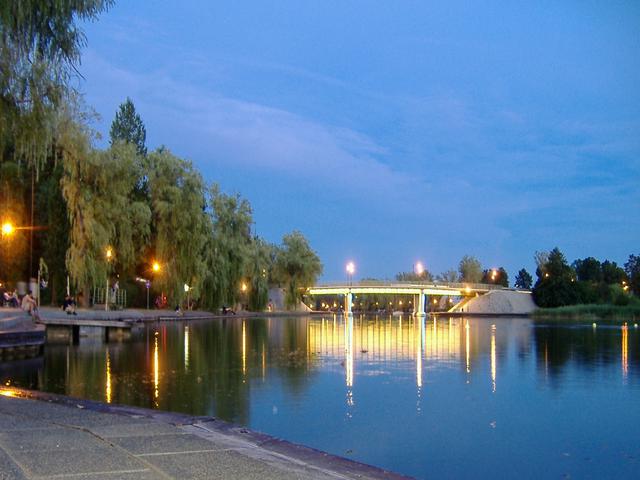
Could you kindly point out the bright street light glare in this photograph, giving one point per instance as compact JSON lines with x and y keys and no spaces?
{"x":419,"y":268}
{"x":156,"y":267}
{"x":351,"y":268}
{"x":7,"y":229}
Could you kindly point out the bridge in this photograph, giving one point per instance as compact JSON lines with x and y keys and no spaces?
{"x":420,"y":291}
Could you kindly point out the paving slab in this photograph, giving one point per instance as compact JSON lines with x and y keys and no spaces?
{"x":228,"y":465}
{"x":176,"y":442}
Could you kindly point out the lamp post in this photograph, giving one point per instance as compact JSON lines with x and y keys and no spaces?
{"x":109,"y":257}
{"x":155,"y":268}
{"x":351,"y":268}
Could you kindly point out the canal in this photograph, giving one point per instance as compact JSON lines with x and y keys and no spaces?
{"x":446,"y":398}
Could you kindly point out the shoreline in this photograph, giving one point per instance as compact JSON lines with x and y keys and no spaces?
{"x":253,"y":449}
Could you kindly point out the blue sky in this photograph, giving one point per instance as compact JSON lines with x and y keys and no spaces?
{"x":392,"y":132}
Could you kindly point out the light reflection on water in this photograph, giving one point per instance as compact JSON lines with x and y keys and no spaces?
{"x":451,"y":397}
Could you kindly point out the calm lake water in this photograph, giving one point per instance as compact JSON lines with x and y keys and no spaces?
{"x":448,"y":398}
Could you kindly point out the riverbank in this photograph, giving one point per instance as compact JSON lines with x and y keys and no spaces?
{"x":45,"y":435}
{"x":592,"y":312}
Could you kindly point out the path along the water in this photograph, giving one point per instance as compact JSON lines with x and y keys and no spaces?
{"x":51,"y":436}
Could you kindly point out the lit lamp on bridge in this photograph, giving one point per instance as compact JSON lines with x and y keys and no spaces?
{"x":419,"y":269}
{"x":109,"y":256}
{"x":351,"y":269}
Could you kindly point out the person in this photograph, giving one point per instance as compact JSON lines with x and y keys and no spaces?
{"x":178,"y":310}
{"x":29,"y":304}
{"x":12,"y":299}
{"x":69,"y":305}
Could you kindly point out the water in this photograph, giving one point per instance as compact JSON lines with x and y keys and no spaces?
{"x":452,"y":398}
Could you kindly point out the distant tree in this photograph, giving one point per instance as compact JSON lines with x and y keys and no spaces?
{"x":259,"y":264}
{"x":425,"y":276}
{"x":612,"y":273}
{"x":128,"y":127}
{"x":228,"y":250}
{"x":448,"y":276}
{"x":496,"y":276}
{"x":523,"y":279}
{"x":297,"y":266}
{"x":632,"y":269}
{"x":470,"y":269}
{"x":556,"y":284}
{"x":588,"y":270}
{"x":541,"y":258}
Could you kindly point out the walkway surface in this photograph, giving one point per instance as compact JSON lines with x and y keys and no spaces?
{"x":51,"y":436}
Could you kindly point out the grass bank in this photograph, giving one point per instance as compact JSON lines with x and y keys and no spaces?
{"x":590,"y":312}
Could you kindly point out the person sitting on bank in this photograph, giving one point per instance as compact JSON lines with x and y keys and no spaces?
{"x":69,"y":305}
{"x":11,"y":299}
{"x":29,"y":304}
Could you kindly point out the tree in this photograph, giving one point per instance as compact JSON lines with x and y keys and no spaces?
{"x":425,"y":276}
{"x":449,"y":276}
{"x":128,"y":127}
{"x":228,"y":249}
{"x":612,"y":273}
{"x":632,"y":269}
{"x":588,"y":270}
{"x":556,"y":284}
{"x":495,"y":276}
{"x":523,"y":279}
{"x":259,"y":264}
{"x":98,"y":187}
{"x":470,"y":269}
{"x":179,"y":222}
{"x":296,"y":266}
{"x":541,"y":258}
{"x":40,"y":46}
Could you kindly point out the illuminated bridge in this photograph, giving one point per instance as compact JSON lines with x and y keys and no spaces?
{"x":420,"y":291}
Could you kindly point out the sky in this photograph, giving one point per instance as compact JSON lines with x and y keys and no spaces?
{"x":394,"y":132}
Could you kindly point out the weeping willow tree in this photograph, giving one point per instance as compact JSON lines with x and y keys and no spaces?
{"x":296,"y":266}
{"x":227,"y":249}
{"x":259,"y":263}
{"x":180,"y":224}
{"x":98,"y":188}
{"x":40,"y":46}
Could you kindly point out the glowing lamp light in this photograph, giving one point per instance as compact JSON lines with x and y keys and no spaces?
{"x":7,"y":229}
{"x":351,"y":268}
{"x":109,"y":253}
{"x":155,"y":267}
{"x":419,"y":268}
{"x":243,"y":287}
{"x":186,"y":287}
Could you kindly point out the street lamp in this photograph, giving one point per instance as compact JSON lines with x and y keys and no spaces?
{"x":109,"y":256}
{"x":419,"y":268}
{"x":351,"y":268}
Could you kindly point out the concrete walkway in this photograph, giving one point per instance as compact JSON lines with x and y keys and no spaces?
{"x":51,"y":436}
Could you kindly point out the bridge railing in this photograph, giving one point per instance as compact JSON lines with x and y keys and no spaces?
{"x":390,"y":283}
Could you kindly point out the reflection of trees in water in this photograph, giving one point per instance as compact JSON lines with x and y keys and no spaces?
{"x":587,"y":348}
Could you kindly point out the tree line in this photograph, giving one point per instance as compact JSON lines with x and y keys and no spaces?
{"x":72,"y":201}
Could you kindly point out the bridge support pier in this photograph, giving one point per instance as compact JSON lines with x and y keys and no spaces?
{"x":422,"y":300}
{"x":348,"y":303}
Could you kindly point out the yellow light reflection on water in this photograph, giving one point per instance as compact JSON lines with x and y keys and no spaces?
{"x":493,"y":358}
{"x":467,"y":342}
{"x":348,"y":361}
{"x":244,"y":349}
{"x":419,"y":358}
{"x":156,"y":367}
{"x":625,"y":351}
{"x":186,"y":348}
{"x":108,"y":386}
